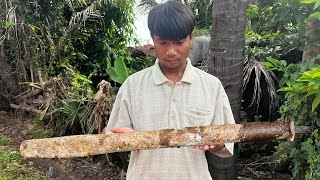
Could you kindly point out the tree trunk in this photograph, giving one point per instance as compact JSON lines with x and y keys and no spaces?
{"x":310,"y":51}
{"x":226,"y":60}
{"x":312,"y":48}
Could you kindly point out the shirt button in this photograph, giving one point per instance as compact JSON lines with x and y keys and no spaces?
{"x":174,"y":100}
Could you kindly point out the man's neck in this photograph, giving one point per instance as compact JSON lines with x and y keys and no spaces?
{"x":174,"y":75}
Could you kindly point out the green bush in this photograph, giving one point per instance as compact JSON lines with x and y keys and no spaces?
{"x":300,"y":89}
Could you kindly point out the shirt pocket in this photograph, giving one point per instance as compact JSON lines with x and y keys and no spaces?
{"x":196,"y":116}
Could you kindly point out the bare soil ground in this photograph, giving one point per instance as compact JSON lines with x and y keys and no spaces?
{"x":97,"y":167}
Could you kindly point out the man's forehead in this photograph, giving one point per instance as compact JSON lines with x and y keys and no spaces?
{"x":168,"y":39}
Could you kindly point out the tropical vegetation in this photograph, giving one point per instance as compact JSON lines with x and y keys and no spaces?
{"x":53,"y":55}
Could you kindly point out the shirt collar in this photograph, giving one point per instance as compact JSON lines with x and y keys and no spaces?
{"x":159,"y":78}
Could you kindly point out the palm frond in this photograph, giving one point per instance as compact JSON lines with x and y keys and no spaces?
{"x":75,"y":3}
{"x":76,"y":22}
{"x":259,"y":69}
{"x":81,"y":17}
{"x":146,"y":5}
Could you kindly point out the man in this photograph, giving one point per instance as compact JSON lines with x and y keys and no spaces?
{"x":171,"y":94}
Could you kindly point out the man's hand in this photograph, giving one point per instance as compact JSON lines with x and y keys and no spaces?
{"x":121,"y":130}
{"x":213,"y":148}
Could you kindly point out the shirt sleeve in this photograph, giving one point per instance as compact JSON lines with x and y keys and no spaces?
{"x":223,"y":115}
{"x":120,"y":114}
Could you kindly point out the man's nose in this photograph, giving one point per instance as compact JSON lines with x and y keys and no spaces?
{"x":172,"y":50}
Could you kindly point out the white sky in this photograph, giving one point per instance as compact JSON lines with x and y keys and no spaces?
{"x":141,"y":24}
{"x":142,"y":31}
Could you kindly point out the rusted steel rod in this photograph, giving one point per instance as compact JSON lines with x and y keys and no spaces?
{"x":84,"y":145}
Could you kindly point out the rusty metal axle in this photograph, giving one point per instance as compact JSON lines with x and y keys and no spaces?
{"x":84,"y":145}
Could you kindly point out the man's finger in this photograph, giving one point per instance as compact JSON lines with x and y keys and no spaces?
{"x":205,"y":148}
{"x":121,"y":130}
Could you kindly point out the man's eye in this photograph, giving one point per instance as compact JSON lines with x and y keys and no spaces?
{"x":181,"y":41}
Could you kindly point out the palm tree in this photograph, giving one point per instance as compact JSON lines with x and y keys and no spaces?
{"x":312,"y":48}
{"x":226,"y":61}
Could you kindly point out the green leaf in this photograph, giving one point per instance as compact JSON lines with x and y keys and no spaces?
{"x":8,"y":24}
{"x":294,"y":77}
{"x":316,"y":5}
{"x":315,"y":102}
{"x":275,"y":62}
{"x":312,"y":91}
{"x":305,"y":77}
{"x":285,"y":89}
{"x":288,"y":82}
{"x":316,"y":85}
{"x":111,"y":72}
{"x":267,"y":64}
{"x":121,"y":70}
{"x":283,"y":62}
{"x":113,"y":75}
{"x":282,"y":81}
{"x":307,"y":1}
{"x":316,"y":75}
{"x":297,"y":85}
{"x":280,"y":65}
{"x":315,"y":15}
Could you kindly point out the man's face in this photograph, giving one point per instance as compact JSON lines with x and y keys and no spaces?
{"x":172,"y":54}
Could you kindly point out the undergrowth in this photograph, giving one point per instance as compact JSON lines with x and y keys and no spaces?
{"x":12,"y":166}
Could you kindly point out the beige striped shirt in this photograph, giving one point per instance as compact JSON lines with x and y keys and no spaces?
{"x":147,"y":100}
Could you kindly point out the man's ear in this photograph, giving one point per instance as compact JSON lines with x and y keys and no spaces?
{"x":191,"y":35}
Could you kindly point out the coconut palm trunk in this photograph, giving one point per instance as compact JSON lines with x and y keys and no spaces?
{"x":226,"y":61}
{"x":312,"y":48}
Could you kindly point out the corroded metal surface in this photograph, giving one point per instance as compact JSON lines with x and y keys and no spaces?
{"x":84,"y":145}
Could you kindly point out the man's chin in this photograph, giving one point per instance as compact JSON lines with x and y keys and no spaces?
{"x":171,"y":65}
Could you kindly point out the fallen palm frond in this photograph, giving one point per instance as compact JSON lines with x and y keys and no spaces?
{"x":25,"y":108}
{"x":258,"y":70}
{"x":104,"y":102}
{"x":36,"y":100}
{"x":67,"y":112}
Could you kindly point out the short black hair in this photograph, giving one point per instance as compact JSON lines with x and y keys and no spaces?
{"x":171,"y":20}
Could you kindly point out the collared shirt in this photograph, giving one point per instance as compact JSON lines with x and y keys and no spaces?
{"x":147,"y":100}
